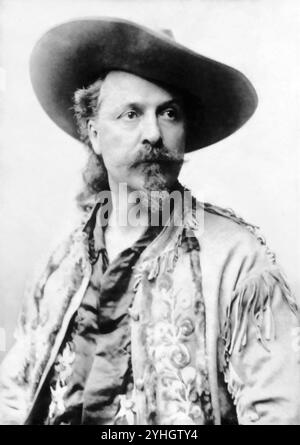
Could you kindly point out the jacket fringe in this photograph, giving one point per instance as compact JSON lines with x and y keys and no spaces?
{"x":251,"y":305}
{"x":166,"y":261}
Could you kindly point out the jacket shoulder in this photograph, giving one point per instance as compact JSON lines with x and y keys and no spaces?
{"x":223,"y":230}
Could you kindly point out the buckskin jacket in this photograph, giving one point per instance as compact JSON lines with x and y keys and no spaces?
{"x":210,"y":318}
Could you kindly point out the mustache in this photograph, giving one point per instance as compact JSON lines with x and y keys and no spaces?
{"x":161,"y":154}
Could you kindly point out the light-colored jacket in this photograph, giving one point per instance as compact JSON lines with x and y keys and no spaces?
{"x":251,"y":323}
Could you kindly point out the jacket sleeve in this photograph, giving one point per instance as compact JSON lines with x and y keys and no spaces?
{"x":16,"y":391}
{"x":14,"y":397}
{"x":262,"y":357}
{"x":15,"y":369}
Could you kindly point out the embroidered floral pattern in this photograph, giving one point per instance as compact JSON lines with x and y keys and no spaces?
{"x":63,"y":369}
{"x":179,"y":386}
{"x":126,"y":414}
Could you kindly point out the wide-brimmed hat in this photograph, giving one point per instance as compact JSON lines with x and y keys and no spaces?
{"x":73,"y":55}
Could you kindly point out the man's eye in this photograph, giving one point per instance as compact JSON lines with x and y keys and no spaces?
{"x":170,"y":113}
{"x":130,"y":115}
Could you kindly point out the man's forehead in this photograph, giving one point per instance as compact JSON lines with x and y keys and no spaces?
{"x":123,"y":86}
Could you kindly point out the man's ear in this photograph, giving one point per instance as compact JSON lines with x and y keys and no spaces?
{"x":94,"y":136}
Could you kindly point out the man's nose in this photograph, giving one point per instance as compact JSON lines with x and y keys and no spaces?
{"x":151,"y":132}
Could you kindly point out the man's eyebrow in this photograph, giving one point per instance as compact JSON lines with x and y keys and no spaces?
{"x":174,"y":101}
{"x":126,"y":105}
{"x":136,"y":104}
{"x":131,"y":105}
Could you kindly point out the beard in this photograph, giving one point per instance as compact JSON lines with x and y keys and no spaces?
{"x":160,"y":169}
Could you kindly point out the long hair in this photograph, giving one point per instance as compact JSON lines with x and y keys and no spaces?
{"x":95,"y":176}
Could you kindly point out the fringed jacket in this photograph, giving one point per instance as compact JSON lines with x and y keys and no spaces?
{"x":210,"y":317}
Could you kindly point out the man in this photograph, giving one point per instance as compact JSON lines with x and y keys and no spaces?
{"x":184,"y":321}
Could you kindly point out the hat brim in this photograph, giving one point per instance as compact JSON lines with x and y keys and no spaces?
{"x":75,"y":54}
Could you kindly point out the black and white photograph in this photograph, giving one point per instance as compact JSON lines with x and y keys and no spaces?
{"x":149,"y":198}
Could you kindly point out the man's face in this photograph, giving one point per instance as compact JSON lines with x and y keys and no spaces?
{"x":139,"y":131}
